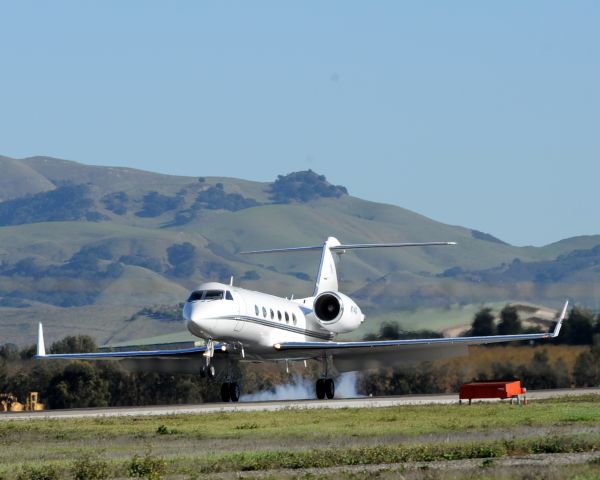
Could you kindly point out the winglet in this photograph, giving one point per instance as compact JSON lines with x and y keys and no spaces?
{"x":560,"y":320}
{"x":41,"y":348}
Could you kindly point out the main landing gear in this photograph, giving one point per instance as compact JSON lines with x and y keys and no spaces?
{"x":325,"y":388}
{"x":230,"y":391}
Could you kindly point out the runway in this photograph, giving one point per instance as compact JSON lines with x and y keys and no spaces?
{"x":363,"y":402}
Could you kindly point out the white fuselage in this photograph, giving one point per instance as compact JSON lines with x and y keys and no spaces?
{"x":256,"y":320}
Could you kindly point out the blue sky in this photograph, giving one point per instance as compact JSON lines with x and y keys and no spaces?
{"x":478,"y":114}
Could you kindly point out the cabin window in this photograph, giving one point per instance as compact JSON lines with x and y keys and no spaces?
{"x":272,"y":314}
{"x":287,"y":318}
{"x":256,"y":310}
{"x":294,"y":318}
{"x":279,"y":315}
{"x":264,"y":312}
{"x":228,"y":295}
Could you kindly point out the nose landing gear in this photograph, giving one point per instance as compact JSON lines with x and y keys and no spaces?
{"x":230,"y":390}
{"x":208,"y":372}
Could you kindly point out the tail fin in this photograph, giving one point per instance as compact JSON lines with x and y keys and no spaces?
{"x":327,"y":275}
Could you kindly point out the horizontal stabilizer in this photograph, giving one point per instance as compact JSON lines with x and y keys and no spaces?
{"x":327,"y":274}
{"x":352,"y":246}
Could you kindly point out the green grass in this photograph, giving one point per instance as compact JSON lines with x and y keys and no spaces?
{"x":295,"y":423}
{"x":243,"y":441}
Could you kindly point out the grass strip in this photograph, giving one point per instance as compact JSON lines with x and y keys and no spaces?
{"x":325,"y":458}
{"x":388,"y":454}
{"x":312,"y":425}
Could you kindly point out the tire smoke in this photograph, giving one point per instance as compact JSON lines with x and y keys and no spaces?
{"x":304,"y":389}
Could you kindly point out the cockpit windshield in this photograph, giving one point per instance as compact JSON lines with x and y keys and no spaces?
{"x":213,"y":295}
{"x":207,"y":295}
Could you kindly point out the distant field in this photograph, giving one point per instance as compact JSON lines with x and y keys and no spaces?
{"x":438,"y":319}
{"x":188,"y":446}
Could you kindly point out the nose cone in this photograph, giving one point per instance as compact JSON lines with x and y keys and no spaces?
{"x":203,"y":317}
{"x":187,"y":311}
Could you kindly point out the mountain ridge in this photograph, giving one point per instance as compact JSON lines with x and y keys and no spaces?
{"x":119,"y":234}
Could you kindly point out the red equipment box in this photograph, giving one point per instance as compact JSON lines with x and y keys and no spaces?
{"x":504,"y":389}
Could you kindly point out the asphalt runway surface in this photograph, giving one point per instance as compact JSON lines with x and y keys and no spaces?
{"x":362,"y":402}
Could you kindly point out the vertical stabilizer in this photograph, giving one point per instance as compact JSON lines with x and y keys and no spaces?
{"x":41,"y":348}
{"x":327,"y":276}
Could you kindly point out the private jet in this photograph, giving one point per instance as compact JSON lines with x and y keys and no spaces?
{"x":240,"y":325}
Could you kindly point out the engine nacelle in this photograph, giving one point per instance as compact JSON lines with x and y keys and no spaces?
{"x":337,"y":313}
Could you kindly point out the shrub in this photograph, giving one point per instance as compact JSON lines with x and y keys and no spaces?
{"x":44,"y":472}
{"x":89,"y":468}
{"x":148,"y":466}
{"x":162,"y":430}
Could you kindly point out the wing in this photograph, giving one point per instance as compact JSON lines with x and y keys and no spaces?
{"x":350,"y":356}
{"x":186,"y":360}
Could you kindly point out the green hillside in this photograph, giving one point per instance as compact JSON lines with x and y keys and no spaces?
{"x":84,"y":248}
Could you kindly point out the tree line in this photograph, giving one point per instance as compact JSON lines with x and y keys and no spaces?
{"x":95,"y":384}
{"x":579,"y":328}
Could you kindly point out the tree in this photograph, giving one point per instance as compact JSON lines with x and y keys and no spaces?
{"x":74,"y":344}
{"x":586,"y":371}
{"x":9,"y":351}
{"x":578,"y":329}
{"x":483,"y":324}
{"x":156,"y":204}
{"x":180,"y":253}
{"x":79,"y":385}
{"x":540,"y":374}
{"x":394,"y":331}
{"x":510,"y":324}
{"x":303,"y":187}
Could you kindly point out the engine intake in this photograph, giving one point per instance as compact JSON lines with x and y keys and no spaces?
{"x":337,"y":313}
{"x":327,"y":307}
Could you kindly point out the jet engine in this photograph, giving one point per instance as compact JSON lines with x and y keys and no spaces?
{"x":337,"y":313}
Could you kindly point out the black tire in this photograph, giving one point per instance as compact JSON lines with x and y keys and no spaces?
{"x":234,"y":391}
{"x":225,"y":395}
{"x":320,"y":389}
{"x":329,"y":388}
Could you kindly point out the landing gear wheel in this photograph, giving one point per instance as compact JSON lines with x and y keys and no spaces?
{"x":234,"y":391}
{"x":320,"y":388}
{"x":210,"y":372}
{"x":225,"y":392}
{"x":329,"y":388}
